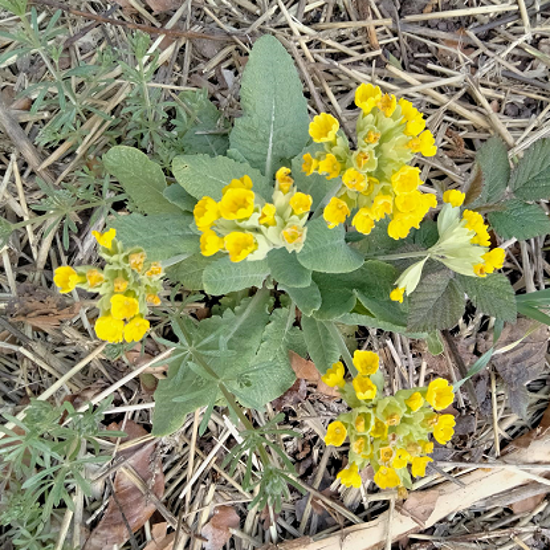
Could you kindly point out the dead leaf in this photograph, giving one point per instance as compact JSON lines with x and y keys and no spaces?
{"x":294,"y":395}
{"x":420,"y":505}
{"x":217,"y":529}
{"x":527,"y":504}
{"x":160,"y":6}
{"x":306,"y":370}
{"x":522,"y":363}
{"x":135,"y":506}
{"x":161,"y":541}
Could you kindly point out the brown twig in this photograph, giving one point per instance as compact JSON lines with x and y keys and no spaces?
{"x":137,"y":26}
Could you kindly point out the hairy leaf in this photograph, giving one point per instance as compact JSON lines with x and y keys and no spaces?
{"x":492,"y":160}
{"x":322,"y":348}
{"x":178,"y":196}
{"x":492,"y":295}
{"x":520,"y":220}
{"x":189,"y":272}
{"x":326,"y":250}
{"x":286,"y":269}
{"x":274,"y":125}
{"x":531,"y":178}
{"x":223,"y":275}
{"x":141,"y":178}
{"x":307,"y":299}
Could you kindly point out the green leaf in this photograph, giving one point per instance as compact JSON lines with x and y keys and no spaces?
{"x":436,"y":304}
{"x":5,"y":232}
{"x":270,"y":374}
{"x":178,"y":196}
{"x":362,"y":320}
{"x":322,"y":348}
{"x":493,"y":295}
{"x":228,"y":344}
{"x":189,"y":272}
{"x":223,"y":275}
{"x":492,"y":160}
{"x":141,"y":178}
{"x":435,"y":343}
{"x":287,"y":270}
{"x":531,"y":178}
{"x":274,"y":125}
{"x":162,"y":236}
{"x":307,"y":299}
{"x":326,"y":250}
{"x":201,"y":175}
{"x":520,"y":220}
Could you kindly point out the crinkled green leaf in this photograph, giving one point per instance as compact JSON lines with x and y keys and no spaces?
{"x":492,"y":160}
{"x":201,"y":175}
{"x":162,"y":236}
{"x":287,"y":270}
{"x":274,"y":124}
{"x":326,"y":250}
{"x":189,"y":272}
{"x":322,"y":348}
{"x":531,"y":178}
{"x":520,"y":220}
{"x":223,"y":275}
{"x":493,"y":295}
{"x":142,"y":179}
{"x":437,"y":303}
{"x":307,"y":299}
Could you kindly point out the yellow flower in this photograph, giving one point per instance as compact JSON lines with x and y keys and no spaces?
{"x":330,"y":166}
{"x":382,"y":205}
{"x":135,"y":330}
{"x":397,"y":294}
{"x":362,"y":221}
{"x":120,"y":284}
{"x":335,"y":375}
{"x":366,"y":362}
{"x":386,"y":478}
{"x":267,"y":217}
{"x":293,"y":234}
{"x":123,"y":307}
{"x":153,"y":299}
{"x":354,"y":180}
{"x":393,"y":419}
{"x":323,"y":128}
{"x":310,"y":164}
{"x":66,"y":279}
{"x":237,"y":204}
{"x":136,"y":261}
{"x":419,"y":464}
{"x":427,"y":447}
{"x":349,"y":477}
{"x":409,"y":202}
{"x":415,"y":401}
{"x":379,"y":430}
{"x":300,"y":203}
{"x":336,"y":434}
{"x":336,"y":212}
{"x":110,"y":329}
{"x":494,"y":259}
{"x":243,"y":183}
{"x":400,"y":226}
{"x":206,"y":212}
{"x":454,"y":197}
{"x":94,"y":277}
{"x":154,"y":269}
{"x":474,"y":220}
{"x":210,"y":242}
{"x":358,"y":446}
{"x":366,"y":97}
{"x":414,"y":121}
{"x":105,"y":239}
{"x":239,"y":245}
{"x":284,"y":180}
{"x":401,"y":459}
{"x":360,"y":424}
{"x":362,"y":158}
{"x":387,"y":104}
{"x":479,"y":270}
{"x":363,"y":386}
{"x":372,"y":138}
{"x":406,"y":179}
{"x":424,"y":144}
{"x":386,"y":454}
{"x":440,"y":394}
{"x":443,"y":429}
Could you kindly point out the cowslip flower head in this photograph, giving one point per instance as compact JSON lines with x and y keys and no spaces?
{"x":454,"y":197}
{"x":136,"y":329}
{"x":336,"y":212}
{"x":310,"y":164}
{"x":239,"y":245}
{"x":415,"y":401}
{"x":334,"y":377}
{"x":124,"y":307}
{"x":137,"y":261}
{"x":386,"y":478}
{"x":109,"y":329}
{"x":330,"y":167}
{"x":419,"y":464}
{"x":440,"y":394}
{"x":366,"y":362}
{"x":210,"y":243}
{"x":401,"y":459}
{"x":336,"y":434}
{"x":267,"y":216}
{"x":364,"y":387}
{"x":301,"y":203}
{"x":66,"y":279}
{"x":94,"y":277}
{"x":396,"y":295}
{"x":363,"y":221}
{"x":237,"y":204}
{"x":366,"y":97}
{"x":206,"y":212}
{"x":105,"y":239}
{"x":284,"y":179}
{"x":323,"y":128}
{"x":443,"y":429}
{"x":241,"y":183}
{"x":350,"y":477}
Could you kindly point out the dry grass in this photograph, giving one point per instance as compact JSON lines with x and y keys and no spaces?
{"x":477,"y":68}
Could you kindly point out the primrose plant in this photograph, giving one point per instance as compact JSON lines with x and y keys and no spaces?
{"x":287,"y":214}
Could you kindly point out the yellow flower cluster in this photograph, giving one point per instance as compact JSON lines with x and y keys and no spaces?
{"x":246,"y":227}
{"x":376,"y":179}
{"x":390,"y":433}
{"x":128,"y":285}
{"x":463,"y":246}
